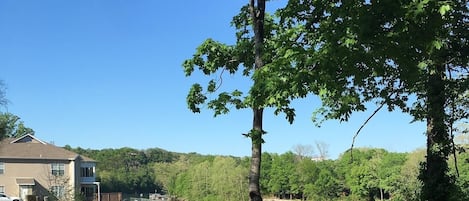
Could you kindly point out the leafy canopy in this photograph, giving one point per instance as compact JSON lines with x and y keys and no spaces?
{"x":271,"y":83}
{"x":354,"y":52}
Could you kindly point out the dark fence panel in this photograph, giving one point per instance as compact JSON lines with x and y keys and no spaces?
{"x":110,"y":197}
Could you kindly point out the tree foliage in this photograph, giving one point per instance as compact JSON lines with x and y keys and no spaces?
{"x":283,"y":176}
{"x":247,"y":57}
{"x":410,"y":55}
{"x":127,"y":170}
{"x":12,"y":127}
{"x":212,"y":178}
{"x":373,"y":174}
{"x":359,"y":51}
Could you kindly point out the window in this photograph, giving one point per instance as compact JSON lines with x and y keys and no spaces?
{"x":87,"y":172}
{"x":58,"y":169}
{"x":58,"y":191}
{"x":2,"y":167}
{"x":2,"y":189}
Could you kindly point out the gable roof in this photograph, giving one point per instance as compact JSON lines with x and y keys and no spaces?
{"x":30,"y":147}
{"x":27,"y":138}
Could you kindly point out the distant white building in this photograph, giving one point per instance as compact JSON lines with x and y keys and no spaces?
{"x":317,"y":158}
{"x":158,"y":197}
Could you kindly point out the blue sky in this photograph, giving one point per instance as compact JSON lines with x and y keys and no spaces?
{"x":107,"y":74}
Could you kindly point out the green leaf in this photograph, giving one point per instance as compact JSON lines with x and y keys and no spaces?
{"x":211,"y":86}
{"x":437,"y":44}
{"x":349,"y":42}
{"x":444,"y":9}
{"x":236,"y":93}
{"x":422,"y":65}
{"x":195,"y":98}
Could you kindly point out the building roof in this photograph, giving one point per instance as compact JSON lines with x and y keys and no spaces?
{"x":30,"y":147}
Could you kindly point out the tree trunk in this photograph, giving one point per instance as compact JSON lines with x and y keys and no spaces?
{"x":254,"y":174}
{"x":257,"y":10}
{"x":437,"y":184}
{"x":381,"y":193}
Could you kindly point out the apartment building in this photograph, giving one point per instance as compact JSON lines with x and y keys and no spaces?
{"x":30,"y":166}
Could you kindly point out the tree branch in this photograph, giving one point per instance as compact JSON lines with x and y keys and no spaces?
{"x":395,"y":91}
{"x":220,"y":78}
{"x":361,"y":127}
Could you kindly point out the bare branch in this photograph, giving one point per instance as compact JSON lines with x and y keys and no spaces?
{"x":361,"y":127}
{"x":395,"y":91}
{"x":220,"y":78}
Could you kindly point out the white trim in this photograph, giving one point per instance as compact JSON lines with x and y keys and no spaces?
{"x":27,"y":135}
{"x":99,"y":189}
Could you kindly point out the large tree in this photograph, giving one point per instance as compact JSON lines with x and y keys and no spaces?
{"x":409,"y":54}
{"x":249,"y":53}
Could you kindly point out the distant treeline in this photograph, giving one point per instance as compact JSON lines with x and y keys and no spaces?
{"x":363,"y":174}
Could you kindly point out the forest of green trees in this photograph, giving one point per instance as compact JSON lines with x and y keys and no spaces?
{"x":372,"y":174}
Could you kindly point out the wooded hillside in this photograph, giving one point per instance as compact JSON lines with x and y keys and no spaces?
{"x":372,"y":174}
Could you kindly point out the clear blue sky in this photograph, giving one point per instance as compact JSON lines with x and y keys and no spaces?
{"x":107,"y":74}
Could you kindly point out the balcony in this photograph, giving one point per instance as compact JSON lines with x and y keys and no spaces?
{"x":87,"y":174}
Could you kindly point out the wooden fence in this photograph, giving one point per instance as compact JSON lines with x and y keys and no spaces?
{"x":110,"y":197}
